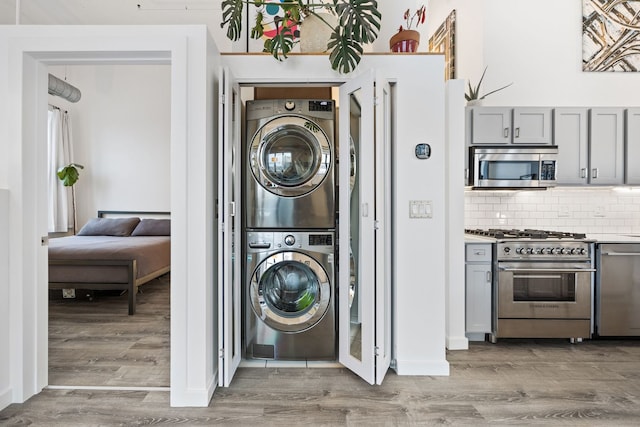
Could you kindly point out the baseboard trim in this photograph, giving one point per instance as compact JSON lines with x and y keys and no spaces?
{"x":457,"y":343}
{"x":427,"y":367}
{"x":6,"y":398}
{"x":105,"y":388}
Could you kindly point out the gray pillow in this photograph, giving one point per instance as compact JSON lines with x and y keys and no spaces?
{"x":121,"y":227}
{"x":153,"y":227}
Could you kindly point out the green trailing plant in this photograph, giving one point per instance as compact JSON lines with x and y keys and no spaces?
{"x":358,"y":23}
{"x":474,"y":93}
{"x":69,"y":175}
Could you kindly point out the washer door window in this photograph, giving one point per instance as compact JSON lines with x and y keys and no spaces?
{"x":290,"y":292}
{"x":290,"y":156}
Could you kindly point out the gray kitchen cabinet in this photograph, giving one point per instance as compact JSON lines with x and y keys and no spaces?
{"x":632,"y":137}
{"x":606,"y":146}
{"x":570,"y":134}
{"x":478,"y":281}
{"x":520,"y":125}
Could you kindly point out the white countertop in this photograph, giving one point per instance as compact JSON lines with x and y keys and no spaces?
{"x":615,"y":238}
{"x":472,"y":238}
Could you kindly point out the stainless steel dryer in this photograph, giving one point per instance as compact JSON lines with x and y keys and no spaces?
{"x":289,"y":295}
{"x":289,"y":177}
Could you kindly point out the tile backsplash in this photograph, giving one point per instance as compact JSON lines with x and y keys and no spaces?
{"x":578,"y":210}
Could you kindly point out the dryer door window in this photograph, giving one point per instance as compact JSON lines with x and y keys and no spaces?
{"x":290,"y":156}
{"x":290,"y":292}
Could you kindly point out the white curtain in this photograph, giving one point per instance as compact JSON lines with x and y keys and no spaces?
{"x":59,"y":145}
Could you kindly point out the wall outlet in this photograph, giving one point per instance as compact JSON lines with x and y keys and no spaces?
{"x":68,"y":293}
{"x":599,"y":212}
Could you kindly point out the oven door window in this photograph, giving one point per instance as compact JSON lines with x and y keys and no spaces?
{"x":544,"y":287}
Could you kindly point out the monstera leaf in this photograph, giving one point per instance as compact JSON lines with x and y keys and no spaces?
{"x":358,"y":24}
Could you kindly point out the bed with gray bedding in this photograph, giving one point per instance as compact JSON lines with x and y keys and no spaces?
{"x":111,"y":253}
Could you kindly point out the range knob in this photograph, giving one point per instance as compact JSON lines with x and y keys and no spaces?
{"x":582,"y":251}
{"x":289,"y":240}
{"x":540,"y":251}
{"x":549,"y":251}
{"x":572,"y":251}
{"x":507,"y":249}
{"x":559,"y":250}
{"x":519,"y":250}
{"x":530,"y":251}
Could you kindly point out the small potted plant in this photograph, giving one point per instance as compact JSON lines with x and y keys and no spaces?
{"x":69,"y":175}
{"x":406,"y":39}
{"x":357,"y":23}
{"x":473,"y":96}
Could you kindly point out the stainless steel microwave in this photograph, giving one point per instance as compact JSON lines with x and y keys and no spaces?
{"x":530,"y":167}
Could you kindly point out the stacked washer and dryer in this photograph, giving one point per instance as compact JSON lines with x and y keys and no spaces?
{"x":289,"y":221}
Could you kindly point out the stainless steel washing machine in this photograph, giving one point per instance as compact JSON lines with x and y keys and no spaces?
{"x":289,"y":295}
{"x":289,"y":175}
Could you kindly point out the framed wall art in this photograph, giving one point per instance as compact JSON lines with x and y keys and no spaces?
{"x":443,"y":40}
{"x":610,"y":35}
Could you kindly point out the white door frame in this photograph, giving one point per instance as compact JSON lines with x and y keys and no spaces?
{"x":30,"y":49}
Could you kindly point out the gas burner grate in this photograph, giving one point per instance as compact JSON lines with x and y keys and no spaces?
{"x":525,"y":234}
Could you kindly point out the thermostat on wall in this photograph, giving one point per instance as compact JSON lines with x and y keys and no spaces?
{"x":423,"y":151}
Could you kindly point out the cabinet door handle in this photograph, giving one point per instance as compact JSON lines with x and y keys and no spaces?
{"x":488,"y":277}
{"x":516,"y":134}
{"x":583,"y":173}
{"x":594,"y":173}
{"x":506,"y":132}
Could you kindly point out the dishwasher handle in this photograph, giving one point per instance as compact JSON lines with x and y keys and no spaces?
{"x":621,"y":253}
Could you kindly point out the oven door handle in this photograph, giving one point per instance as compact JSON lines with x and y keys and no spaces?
{"x":551,"y":270}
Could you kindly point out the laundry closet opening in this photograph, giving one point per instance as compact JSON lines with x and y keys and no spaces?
{"x":289,"y":189}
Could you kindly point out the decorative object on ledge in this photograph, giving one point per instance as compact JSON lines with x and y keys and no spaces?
{"x":406,"y":39}
{"x":610,"y":35}
{"x":473,"y":94}
{"x":357,"y":24}
{"x":444,"y":41}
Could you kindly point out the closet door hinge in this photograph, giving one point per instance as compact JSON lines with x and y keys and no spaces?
{"x":222,"y":102}
{"x":221,"y":353}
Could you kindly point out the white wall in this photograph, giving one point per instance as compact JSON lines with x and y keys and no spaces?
{"x":121,"y":135}
{"x":571,"y":209}
{"x":537,"y":46}
{"x":5,"y":321}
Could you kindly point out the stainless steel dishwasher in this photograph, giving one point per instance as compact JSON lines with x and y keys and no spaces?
{"x":618,"y":289}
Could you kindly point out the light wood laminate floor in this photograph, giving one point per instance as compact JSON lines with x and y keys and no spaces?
{"x":96,"y":343}
{"x":513,"y":382}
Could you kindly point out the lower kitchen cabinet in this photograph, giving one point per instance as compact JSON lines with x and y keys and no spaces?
{"x":479,"y":280}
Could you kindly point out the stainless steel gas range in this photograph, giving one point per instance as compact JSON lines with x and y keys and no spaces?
{"x":544,"y":285}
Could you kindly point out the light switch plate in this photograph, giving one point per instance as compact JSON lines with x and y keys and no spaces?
{"x":420,"y":209}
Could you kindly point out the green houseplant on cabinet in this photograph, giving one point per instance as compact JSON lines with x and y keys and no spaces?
{"x":357,"y":23}
{"x":69,"y":175}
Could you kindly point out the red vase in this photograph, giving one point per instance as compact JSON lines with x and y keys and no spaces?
{"x":405,"y":41}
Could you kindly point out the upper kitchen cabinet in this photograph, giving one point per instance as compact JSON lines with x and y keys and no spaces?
{"x":606,"y":146}
{"x":570,"y":134}
{"x":632,"y":166}
{"x":500,"y":125}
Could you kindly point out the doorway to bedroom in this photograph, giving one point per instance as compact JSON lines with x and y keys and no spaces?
{"x":120,"y":133}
